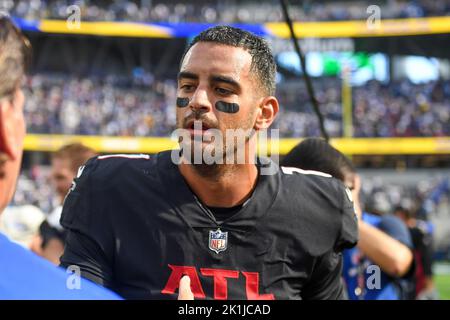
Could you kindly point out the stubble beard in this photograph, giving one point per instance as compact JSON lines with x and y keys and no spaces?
{"x":216,"y":171}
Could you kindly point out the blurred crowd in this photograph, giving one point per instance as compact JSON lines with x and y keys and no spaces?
{"x":402,"y":109}
{"x":397,"y":109}
{"x":110,"y":106}
{"x":34,"y":187}
{"x":144,"y":106}
{"x":424,"y":198}
{"x":228,"y":11}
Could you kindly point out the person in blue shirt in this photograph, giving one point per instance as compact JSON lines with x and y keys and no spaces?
{"x":359,"y":273}
{"x":381,"y":266}
{"x":23,"y":275}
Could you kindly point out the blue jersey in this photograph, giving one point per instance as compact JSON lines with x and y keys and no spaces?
{"x":25,"y":276}
{"x":359,"y":271}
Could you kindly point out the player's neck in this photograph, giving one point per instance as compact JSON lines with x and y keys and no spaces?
{"x":231,"y":187}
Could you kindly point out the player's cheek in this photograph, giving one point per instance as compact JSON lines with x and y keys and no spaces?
{"x":180,"y":115}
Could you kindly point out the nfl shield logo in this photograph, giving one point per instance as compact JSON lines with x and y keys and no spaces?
{"x":218,"y":240}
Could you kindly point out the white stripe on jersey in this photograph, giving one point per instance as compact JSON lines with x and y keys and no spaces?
{"x":129,"y":156}
{"x":291,"y":170}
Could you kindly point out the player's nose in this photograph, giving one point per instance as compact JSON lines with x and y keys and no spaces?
{"x":200,"y":101}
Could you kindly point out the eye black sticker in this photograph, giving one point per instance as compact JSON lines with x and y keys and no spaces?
{"x":182,"y":102}
{"x":227,"y":107}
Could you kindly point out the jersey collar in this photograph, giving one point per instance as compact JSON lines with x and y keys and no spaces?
{"x":197,"y":215}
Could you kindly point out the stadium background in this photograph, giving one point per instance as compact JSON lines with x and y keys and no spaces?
{"x":383,"y":87}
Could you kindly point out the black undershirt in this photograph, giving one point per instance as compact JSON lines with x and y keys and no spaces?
{"x":221,"y":214}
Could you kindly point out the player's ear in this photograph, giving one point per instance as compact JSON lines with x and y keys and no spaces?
{"x":267,"y":111}
{"x":10,"y":112}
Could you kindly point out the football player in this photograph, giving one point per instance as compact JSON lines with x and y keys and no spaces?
{"x":137,"y":223}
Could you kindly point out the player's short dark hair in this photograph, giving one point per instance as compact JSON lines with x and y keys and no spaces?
{"x":263,"y":63}
{"x":15,"y":54}
{"x":317,"y":154}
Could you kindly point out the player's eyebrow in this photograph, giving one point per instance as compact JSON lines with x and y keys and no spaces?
{"x":225,"y":79}
{"x":187,"y":75}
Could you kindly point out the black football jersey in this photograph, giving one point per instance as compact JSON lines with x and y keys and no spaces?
{"x":135,"y":227}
